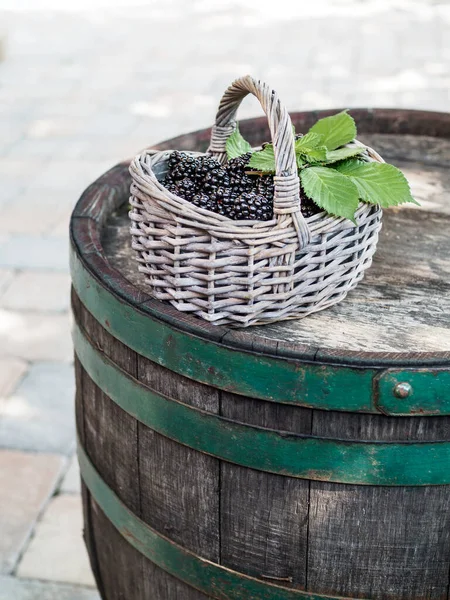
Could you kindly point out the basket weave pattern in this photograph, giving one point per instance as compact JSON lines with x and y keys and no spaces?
{"x":246,"y":272}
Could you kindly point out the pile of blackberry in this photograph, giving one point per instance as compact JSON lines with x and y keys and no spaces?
{"x":227,"y":190}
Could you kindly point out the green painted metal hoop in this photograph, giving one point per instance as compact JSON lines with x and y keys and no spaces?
{"x":212,"y":579}
{"x":293,"y":455}
{"x":272,"y":378}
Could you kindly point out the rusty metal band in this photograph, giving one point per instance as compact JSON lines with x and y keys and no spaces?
{"x":294,"y":455}
{"x":214,"y":580}
{"x":258,"y":375}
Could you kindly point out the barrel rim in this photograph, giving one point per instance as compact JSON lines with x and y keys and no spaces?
{"x":110,"y":190}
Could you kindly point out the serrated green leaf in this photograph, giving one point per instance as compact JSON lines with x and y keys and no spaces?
{"x":377,"y":183}
{"x":331,"y":190}
{"x":334,"y":156}
{"x":308,"y":141}
{"x":236,"y":145}
{"x":263,"y":160}
{"x":309,"y":149}
{"x":337,"y":130}
{"x":315,"y":155}
{"x":301,"y":160}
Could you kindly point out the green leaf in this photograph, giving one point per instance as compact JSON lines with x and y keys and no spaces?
{"x":301,"y":160}
{"x":331,"y":190}
{"x":236,"y":145}
{"x":308,"y":142}
{"x":343,"y":153}
{"x":309,"y":149}
{"x":337,"y":130}
{"x":377,"y":183}
{"x":315,"y":155}
{"x":263,"y":160}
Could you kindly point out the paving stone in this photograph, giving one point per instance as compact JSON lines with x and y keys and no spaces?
{"x":48,"y":128}
{"x":11,"y":372}
{"x":31,"y":148}
{"x":72,"y":175}
{"x":39,"y":415}
{"x":15,"y":169}
{"x":12,"y":588}
{"x":17,"y":218}
{"x":103,"y":124}
{"x":34,"y":336}
{"x":36,"y":200}
{"x":57,"y":551}
{"x":61,"y":226}
{"x":38,"y":291}
{"x":6,"y":276}
{"x":2,"y":46}
{"x":10,"y":190}
{"x":71,"y":482}
{"x":35,"y":252}
{"x":26,"y":483}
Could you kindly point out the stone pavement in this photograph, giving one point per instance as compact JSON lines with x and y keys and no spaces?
{"x":81,"y":89}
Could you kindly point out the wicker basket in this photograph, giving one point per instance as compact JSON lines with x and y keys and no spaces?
{"x":246,"y":272}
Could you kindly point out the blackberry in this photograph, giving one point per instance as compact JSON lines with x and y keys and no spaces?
{"x":201,"y":200}
{"x":265,"y":186}
{"x":173,"y":188}
{"x":186,"y":188}
{"x":308,"y":207}
{"x":177,"y":158}
{"x":227,"y":190}
{"x":181,"y":165}
{"x":210,"y":175}
{"x":239,"y":181}
{"x":251,"y":205}
{"x":180,"y":171}
{"x":223,"y":199}
{"x":213,"y":179}
{"x":204,"y":166}
{"x":236,"y":166}
{"x":207,"y":163}
{"x":174,"y":159}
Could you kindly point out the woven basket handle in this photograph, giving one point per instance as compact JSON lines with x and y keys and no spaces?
{"x":286,"y":201}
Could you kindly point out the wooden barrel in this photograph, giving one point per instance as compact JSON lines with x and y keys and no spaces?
{"x":307,"y":459}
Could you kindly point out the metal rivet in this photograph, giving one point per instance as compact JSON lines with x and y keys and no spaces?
{"x":402,"y":390}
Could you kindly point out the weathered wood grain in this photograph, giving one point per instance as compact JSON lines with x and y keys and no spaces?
{"x":185,"y":492}
{"x":382,"y":542}
{"x":116,"y":558}
{"x":131,"y":576}
{"x":356,"y":426}
{"x":88,"y":532}
{"x":379,"y":542}
{"x":180,"y":486}
{"x":111,"y":443}
{"x":131,"y":458}
{"x":264,"y":517}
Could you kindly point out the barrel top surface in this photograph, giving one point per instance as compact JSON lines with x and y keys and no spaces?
{"x":400,"y":309}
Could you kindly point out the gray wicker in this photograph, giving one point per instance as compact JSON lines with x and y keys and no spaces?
{"x":246,"y":272}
